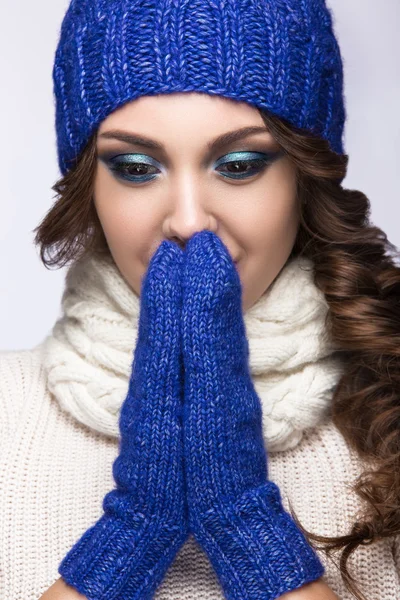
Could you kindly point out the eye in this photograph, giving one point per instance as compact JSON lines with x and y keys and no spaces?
{"x":132,"y":167}
{"x":242,"y":165}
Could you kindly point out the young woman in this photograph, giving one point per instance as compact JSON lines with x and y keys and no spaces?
{"x":221,"y":389}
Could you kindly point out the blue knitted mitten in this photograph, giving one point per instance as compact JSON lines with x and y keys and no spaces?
{"x":126,"y":553}
{"x":235,"y":512}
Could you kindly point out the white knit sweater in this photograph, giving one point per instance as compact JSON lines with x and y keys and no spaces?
{"x":56,"y":460}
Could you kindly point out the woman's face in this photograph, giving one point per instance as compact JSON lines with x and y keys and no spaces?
{"x":164,"y":173}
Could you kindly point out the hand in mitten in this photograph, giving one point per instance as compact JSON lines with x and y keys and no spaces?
{"x":126,"y":553}
{"x":235,"y":512}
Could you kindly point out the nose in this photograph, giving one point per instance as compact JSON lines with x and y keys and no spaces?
{"x":190,"y":211}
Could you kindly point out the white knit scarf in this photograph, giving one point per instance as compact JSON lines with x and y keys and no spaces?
{"x":88,"y":356}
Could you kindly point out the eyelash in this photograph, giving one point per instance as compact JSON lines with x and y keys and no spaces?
{"x":117,"y":165}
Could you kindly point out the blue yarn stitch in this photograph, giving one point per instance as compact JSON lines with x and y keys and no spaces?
{"x":235,"y":512}
{"x":126,"y":553}
{"x":280,"y":55}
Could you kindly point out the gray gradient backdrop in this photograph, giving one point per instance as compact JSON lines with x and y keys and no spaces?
{"x":30,"y":294}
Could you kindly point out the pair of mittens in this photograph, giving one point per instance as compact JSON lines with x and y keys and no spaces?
{"x":192,"y":456}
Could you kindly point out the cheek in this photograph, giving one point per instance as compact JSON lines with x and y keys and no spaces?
{"x":271,"y":228}
{"x":273,"y":220}
{"x":129,"y":228}
{"x":276,"y":230}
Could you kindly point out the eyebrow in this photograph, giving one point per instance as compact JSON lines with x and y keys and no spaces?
{"x":222,"y":140}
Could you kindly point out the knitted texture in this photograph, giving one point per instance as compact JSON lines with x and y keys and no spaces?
{"x":87,"y":355}
{"x":280,"y":55}
{"x":128,"y":551}
{"x":54,"y":473}
{"x":235,"y":512}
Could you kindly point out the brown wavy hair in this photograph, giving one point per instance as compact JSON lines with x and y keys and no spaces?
{"x":353,"y":266}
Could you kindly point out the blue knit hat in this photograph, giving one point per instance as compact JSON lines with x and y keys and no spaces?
{"x":280,"y":55}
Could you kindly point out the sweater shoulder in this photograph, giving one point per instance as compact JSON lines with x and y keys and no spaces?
{"x":20,"y":377}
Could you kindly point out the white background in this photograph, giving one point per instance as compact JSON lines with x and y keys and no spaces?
{"x":30,"y":294}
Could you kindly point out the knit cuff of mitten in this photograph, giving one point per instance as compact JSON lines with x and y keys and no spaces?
{"x":255,"y":547}
{"x":116,"y":559}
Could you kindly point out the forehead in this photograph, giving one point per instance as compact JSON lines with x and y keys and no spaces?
{"x":202,"y":120}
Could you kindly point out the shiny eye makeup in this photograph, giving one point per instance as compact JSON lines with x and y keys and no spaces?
{"x":139,"y":168}
{"x":242,"y":165}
